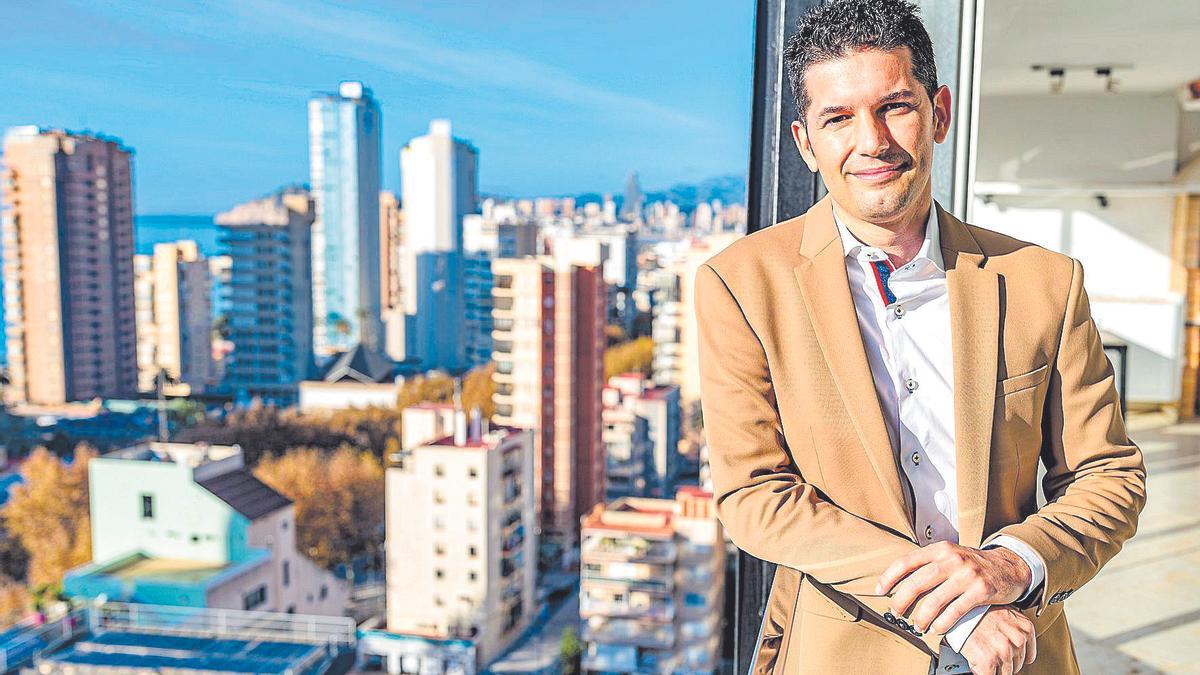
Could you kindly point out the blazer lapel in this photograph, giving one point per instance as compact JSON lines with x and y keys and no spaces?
{"x":974,"y":293}
{"x":821,"y":276}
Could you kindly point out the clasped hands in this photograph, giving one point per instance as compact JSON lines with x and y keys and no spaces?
{"x":937,"y":585}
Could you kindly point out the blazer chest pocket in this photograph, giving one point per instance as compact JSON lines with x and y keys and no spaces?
{"x":1023,"y":381}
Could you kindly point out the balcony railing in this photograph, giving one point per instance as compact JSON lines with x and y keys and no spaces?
{"x":648,"y":585}
{"x":633,"y":549}
{"x":630,"y":632}
{"x":660,"y":609}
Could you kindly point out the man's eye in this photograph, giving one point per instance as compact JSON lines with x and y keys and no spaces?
{"x":893,"y":106}
{"x":837,"y":119}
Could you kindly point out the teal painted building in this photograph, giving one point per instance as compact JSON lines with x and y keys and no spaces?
{"x":189,"y":525}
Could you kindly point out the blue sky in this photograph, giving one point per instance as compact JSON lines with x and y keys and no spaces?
{"x":560,"y":96}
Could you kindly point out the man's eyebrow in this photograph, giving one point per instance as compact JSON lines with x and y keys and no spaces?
{"x":827,"y":110}
{"x":894,"y":96}
{"x":897,"y":95}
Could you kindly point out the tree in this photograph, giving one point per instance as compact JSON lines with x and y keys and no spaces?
{"x":635,"y":356}
{"x":570,"y":651}
{"x":338,"y":498}
{"x":15,"y":601}
{"x":270,"y":430}
{"x":48,"y":514}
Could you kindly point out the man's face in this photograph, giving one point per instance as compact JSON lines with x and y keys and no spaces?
{"x":870,"y":132}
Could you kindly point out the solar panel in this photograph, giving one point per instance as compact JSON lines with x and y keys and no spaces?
{"x":152,"y":651}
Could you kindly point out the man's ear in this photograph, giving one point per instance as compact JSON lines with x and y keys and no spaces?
{"x":941,"y":113}
{"x":800,"y":136}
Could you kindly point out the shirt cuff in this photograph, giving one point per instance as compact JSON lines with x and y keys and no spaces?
{"x":1025,"y":552}
{"x":957,"y":636}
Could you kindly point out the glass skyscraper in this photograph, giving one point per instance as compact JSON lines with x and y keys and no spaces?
{"x":344,"y":151}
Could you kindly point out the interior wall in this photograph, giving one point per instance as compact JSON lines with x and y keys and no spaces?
{"x":1077,"y":138}
{"x":1124,"y":245}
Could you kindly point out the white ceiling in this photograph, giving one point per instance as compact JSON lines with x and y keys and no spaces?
{"x":1159,"y":38}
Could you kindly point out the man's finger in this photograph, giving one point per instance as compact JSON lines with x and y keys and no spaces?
{"x":953,"y":612}
{"x":1031,"y":647}
{"x":901,"y":567}
{"x":1019,"y":657}
{"x":1015,"y":637}
{"x":924,"y":579}
{"x":931,"y":605}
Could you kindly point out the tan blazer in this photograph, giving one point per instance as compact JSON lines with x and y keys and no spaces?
{"x":802,"y":467}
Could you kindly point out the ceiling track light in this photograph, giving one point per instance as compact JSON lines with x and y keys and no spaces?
{"x":1058,"y":74}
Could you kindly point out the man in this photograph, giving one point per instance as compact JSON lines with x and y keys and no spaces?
{"x":879,"y":382}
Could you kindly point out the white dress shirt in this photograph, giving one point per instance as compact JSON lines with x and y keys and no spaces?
{"x":904,"y":317}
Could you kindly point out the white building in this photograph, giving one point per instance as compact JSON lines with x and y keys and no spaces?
{"x":674,"y":323}
{"x":438,"y":175}
{"x":173,"y":306}
{"x":461,"y":544}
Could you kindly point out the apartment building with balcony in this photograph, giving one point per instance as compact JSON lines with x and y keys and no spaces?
{"x":626,"y":446}
{"x":66,"y":217}
{"x":674,"y":315}
{"x":652,"y":585}
{"x":549,"y":340}
{"x":270,"y":315}
{"x":461,"y":546}
{"x":632,"y":394}
{"x":173,"y":298}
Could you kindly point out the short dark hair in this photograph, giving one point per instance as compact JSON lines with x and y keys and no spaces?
{"x":832,"y":29}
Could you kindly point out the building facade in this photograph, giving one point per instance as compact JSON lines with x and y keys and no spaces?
{"x":173,"y":298}
{"x":652,"y":585}
{"x":68,"y":266}
{"x":549,"y":332}
{"x":523,"y":316}
{"x":674,"y":323}
{"x":269,"y":322}
{"x":642,"y":432}
{"x":461,"y":546}
{"x":391,"y":242}
{"x":189,"y":525}
{"x":439,"y":178}
{"x":344,"y":160}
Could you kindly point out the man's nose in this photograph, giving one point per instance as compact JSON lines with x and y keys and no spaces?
{"x":872,"y":136}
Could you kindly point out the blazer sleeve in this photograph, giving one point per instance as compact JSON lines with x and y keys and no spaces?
{"x":1095,"y":483}
{"x":762,"y":501}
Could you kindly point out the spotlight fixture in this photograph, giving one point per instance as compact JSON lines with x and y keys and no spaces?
{"x":1057,"y":77}
{"x":1110,"y":84}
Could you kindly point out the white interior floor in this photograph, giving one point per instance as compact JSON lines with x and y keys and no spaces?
{"x":1141,"y":614}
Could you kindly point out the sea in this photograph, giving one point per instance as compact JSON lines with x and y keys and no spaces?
{"x":149,"y":230}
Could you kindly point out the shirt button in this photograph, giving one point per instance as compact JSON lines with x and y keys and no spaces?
{"x":910,"y":384}
{"x":929,"y":533}
{"x":899,"y":311}
{"x":916,"y":458}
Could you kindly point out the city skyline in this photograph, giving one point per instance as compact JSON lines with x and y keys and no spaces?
{"x":226,"y":87}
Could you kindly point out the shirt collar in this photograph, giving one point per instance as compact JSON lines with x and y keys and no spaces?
{"x":931,"y":247}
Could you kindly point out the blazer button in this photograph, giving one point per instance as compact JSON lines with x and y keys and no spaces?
{"x":910,"y":384}
{"x":929,"y":532}
{"x":889,"y":617}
